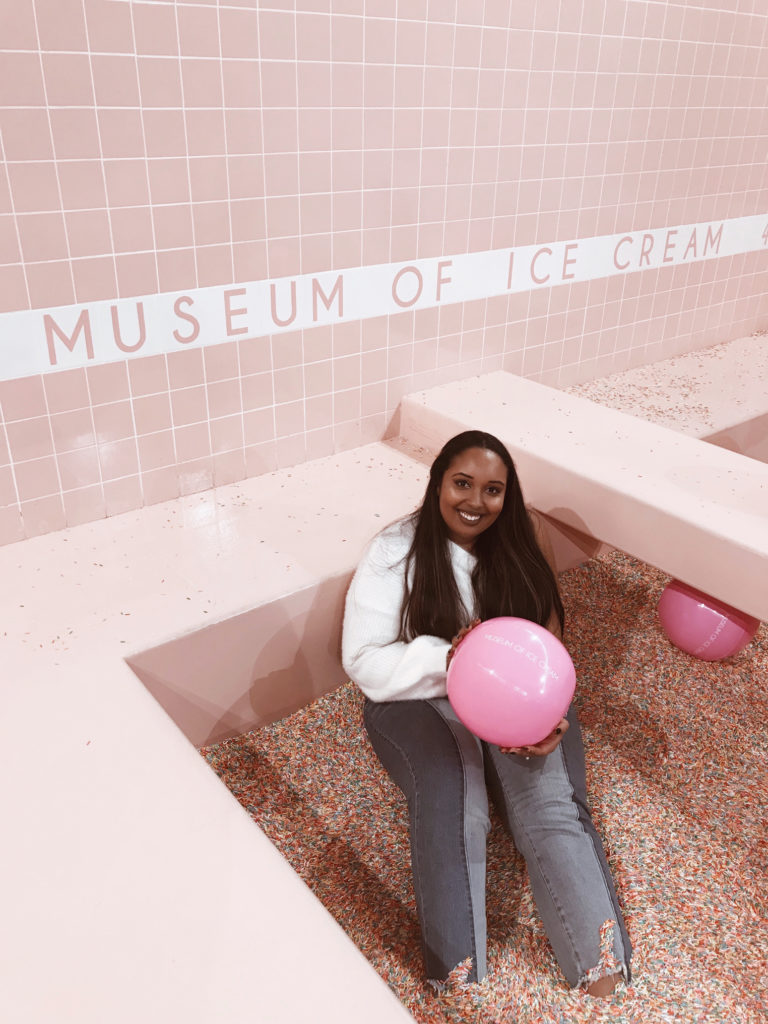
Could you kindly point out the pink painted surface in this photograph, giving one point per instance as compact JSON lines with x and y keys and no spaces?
{"x":126,"y":852}
{"x":694,"y":510}
{"x":168,"y":588}
{"x":161,"y":147}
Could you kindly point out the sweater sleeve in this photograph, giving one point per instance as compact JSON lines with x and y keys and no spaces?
{"x":383,"y":667}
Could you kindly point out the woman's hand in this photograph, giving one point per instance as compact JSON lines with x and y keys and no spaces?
{"x":458,"y":638}
{"x":546,"y":746}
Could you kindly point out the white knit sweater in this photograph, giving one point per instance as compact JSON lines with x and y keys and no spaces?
{"x":383,"y":667}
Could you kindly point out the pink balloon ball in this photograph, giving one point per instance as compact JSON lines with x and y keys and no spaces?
{"x":510,"y":681}
{"x":702,"y":625}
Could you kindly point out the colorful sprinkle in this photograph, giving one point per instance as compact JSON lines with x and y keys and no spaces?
{"x":677,"y":754}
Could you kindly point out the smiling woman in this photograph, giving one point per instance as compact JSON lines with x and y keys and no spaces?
{"x":473,"y":551}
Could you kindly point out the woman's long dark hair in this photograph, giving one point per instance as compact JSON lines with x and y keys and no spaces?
{"x":512,"y":576}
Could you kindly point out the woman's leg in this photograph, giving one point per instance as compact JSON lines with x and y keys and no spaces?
{"x":543,"y":804}
{"x":438,"y":764}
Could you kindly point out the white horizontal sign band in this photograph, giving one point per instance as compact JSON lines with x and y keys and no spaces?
{"x":65,"y":337}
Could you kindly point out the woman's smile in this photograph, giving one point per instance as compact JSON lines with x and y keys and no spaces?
{"x":469,"y":517}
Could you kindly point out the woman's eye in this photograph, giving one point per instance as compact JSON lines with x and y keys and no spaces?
{"x":462,"y":483}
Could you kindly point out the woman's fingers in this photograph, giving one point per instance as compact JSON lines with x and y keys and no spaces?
{"x":546,"y":746}
{"x":458,"y":638}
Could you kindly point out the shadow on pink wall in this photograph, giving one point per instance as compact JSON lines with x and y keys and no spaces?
{"x":252,"y":669}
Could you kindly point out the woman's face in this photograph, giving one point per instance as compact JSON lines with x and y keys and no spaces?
{"x":471,"y":494}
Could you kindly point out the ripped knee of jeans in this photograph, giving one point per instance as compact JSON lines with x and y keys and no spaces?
{"x":608,"y":964}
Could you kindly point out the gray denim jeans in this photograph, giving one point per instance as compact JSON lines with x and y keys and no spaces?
{"x":446,"y":774}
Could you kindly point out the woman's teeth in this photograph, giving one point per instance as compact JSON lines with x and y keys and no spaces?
{"x":468,"y":517}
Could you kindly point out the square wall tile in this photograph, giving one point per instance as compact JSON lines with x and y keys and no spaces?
{"x":257,"y":391}
{"x":26,"y":134}
{"x":319,"y":412}
{"x":79,"y":468}
{"x":214,"y":265}
{"x":72,"y":430}
{"x":43,"y":515}
{"x":88,"y":233}
{"x":291,"y":451}
{"x":122,"y":495}
{"x":118,"y":459}
{"x":132,"y":229}
{"x":84,"y":505}
{"x":240,"y":34}
{"x":260,"y":458}
{"x":29,"y":438}
{"x":66,"y":390}
{"x":120,"y":133}
{"x":160,"y":485}
{"x":160,"y":82}
{"x":34,"y":187}
{"x":94,"y":278}
{"x":19,"y":29}
{"x":224,"y":398}
{"x":68,"y":80}
{"x":115,"y":79}
{"x":221,"y":362}
{"x":242,"y":87}
{"x":205,"y":132}
{"x":21,"y":80}
{"x":228,"y":467}
{"x":137,"y":274}
{"x":196,"y":476}
{"x":201,"y":83}
{"x":109,"y":27}
{"x":227,"y":434}
{"x":188,"y":405}
{"x":127,"y":183}
{"x":248,"y":219}
{"x":152,"y":413}
{"x":157,"y":451}
{"x":259,"y":426}
{"x":75,"y":133}
{"x":199,"y":31}
{"x":192,"y":442}
{"x":185,"y":368}
{"x":148,"y":375}
{"x":50,"y":284}
{"x":155,"y":29}
{"x":165,"y":133}
{"x":113,"y":422}
{"x":173,"y":227}
{"x":37,"y":478}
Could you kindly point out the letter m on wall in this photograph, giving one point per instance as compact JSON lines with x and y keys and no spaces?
{"x":83,"y":326}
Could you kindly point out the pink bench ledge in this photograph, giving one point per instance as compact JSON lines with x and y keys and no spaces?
{"x":135,"y":886}
{"x":696,"y":511}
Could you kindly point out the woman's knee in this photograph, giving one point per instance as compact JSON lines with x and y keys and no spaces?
{"x":435,"y":761}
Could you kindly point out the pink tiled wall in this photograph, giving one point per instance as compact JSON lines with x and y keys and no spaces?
{"x":154,"y":147}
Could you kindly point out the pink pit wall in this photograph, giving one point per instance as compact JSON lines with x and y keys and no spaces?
{"x":157,"y":150}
